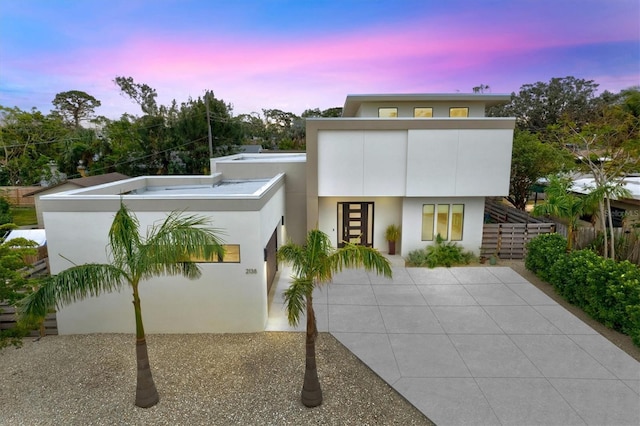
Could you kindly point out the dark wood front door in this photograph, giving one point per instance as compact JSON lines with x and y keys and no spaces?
{"x":355,"y":223}
{"x":271,"y":251}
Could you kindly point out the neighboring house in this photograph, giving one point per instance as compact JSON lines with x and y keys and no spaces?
{"x":424,"y":162}
{"x":66,"y":185}
{"x":625,"y":212}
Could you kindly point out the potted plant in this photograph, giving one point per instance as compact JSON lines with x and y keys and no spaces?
{"x":392,"y":234}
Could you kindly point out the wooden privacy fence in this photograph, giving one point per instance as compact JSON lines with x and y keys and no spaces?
{"x":8,"y":320}
{"x":509,"y":240}
{"x":501,"y":213}
{"x":15,"y":195}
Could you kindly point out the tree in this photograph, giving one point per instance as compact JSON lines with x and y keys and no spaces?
{"x":314,"y":265}
{"x":14,"y":283}
{"x":564,"y":204}
{"x":28,"y":143}
{"x":530,"y":161}
{"x":75,"y":106}
{"x":166,"y":250}
{"x":539,"y":105}
{"x":608,"y":148}
{"x":142,"y":94}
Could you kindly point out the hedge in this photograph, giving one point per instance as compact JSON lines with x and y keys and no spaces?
{"x":606,"y":290}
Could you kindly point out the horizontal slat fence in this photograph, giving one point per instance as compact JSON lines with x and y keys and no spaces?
{"x":8,"y":320}
{"x":501,"y":213}
{"x":509,"y":240}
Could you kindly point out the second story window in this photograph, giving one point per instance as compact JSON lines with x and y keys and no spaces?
{"x":388,"y":112}
{"x":422,"y":112}
{"x":459,"y":112}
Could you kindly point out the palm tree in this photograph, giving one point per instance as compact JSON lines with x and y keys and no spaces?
{"x":166,"y":250}
{"x":314,"y":264}
{"x":564,"y":204}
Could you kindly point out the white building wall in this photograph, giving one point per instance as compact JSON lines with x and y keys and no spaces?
{"x":412,"y":222}
{"x":414,"y":163}
{"x":228,"y":297}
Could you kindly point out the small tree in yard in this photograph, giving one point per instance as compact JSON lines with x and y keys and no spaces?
{"x":313,"y":265}
{"x":166,"y":250}
{"x":564,"y":204}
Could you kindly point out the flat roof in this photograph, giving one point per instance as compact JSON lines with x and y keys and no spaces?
{"x":224,"y":187}
{"x":353,"y":102}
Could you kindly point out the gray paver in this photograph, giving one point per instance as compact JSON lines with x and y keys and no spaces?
{"x":528,"y":401}
{"x":447,"y":295}
{"x":427,"y":355}
{"x":400,"y":295}
{"x":600,"y":402}
{"x":476,"y":346}
{"x":494,"y":294}
{"x":410,"y":319}
{"x":520,"y":320}
{"x":449,"y":402}
{"x":493,"y":355}
{"x":465,"y":320}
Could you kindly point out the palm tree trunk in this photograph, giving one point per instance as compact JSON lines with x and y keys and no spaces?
{"x":311,"y":391}
{"x":612,"y":239}
{"x":605,"y":248}
{"x":146,"y":392}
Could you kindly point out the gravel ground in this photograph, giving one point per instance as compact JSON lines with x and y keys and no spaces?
{"x":203,"y":379}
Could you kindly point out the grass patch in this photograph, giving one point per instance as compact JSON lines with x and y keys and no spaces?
{"x":24,"y":216}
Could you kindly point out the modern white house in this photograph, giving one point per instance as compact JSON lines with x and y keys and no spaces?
{"x":424,"y":162}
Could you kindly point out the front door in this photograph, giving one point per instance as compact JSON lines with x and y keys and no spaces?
{"x":355,"y":223}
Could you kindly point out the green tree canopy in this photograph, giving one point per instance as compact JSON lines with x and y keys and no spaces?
{"x":539,"y":105}
{"x":75,"y":106}
{"x":531,"y":160}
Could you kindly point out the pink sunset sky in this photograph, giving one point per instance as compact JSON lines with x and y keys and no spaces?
{"x":295,"y":55}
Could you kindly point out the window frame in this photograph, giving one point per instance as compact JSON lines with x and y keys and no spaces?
{"x":380,"y":109}
{"x":466,"y":109}
{"x":422,"y":108}
{"x":435,"y":227}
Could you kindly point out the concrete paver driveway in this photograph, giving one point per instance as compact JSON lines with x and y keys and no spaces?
{"x":476,"y":345}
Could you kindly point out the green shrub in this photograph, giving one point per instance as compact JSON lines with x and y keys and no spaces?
{"x":569,"y":275}
{"x":441,"y":253}
{"x":606,"y":290}
{"x":543,"y":251}
{"x":417,"y":257}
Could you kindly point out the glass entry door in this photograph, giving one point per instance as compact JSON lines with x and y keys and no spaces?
{"x":355,"y":223}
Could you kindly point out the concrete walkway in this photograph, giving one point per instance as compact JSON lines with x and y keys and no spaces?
{"x":476,"y":345}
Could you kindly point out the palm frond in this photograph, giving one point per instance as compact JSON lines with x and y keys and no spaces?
{"x":76,"y":283}
{"x":295,"y":299}
{"x":124,"y":237}
{"x":356,"y":256}
{"x":170,"y":245}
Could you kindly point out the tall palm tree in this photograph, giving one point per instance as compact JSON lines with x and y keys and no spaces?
{"x":166,"y":250}
{"x":313,"y":265}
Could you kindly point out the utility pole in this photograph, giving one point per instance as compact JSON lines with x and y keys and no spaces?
{"x":206,"y":101}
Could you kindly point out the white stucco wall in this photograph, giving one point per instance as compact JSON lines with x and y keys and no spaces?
{"x":228,"y":297}
{"x":414,"y":163}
